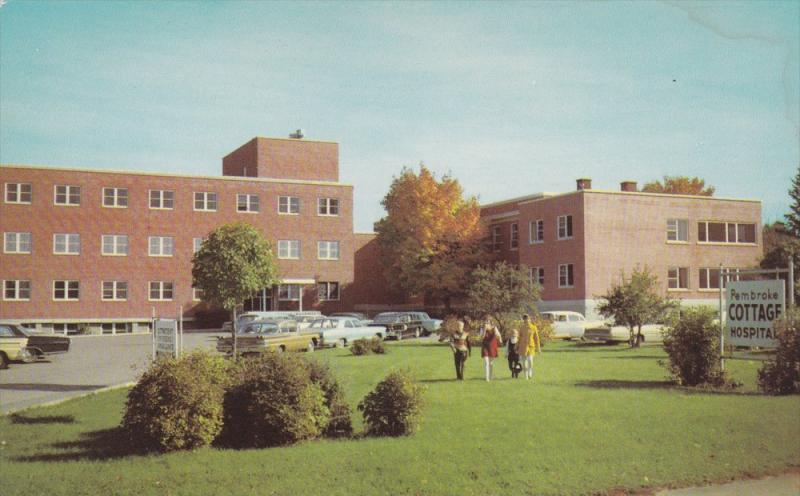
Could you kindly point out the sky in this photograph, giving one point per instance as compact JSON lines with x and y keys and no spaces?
{"x":509,"y":98}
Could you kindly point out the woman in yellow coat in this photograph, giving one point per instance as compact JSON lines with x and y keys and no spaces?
{"x":528,"y":344}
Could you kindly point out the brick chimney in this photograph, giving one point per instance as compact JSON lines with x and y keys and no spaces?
{"x":584,"y":183}
{"x":627,"y":186}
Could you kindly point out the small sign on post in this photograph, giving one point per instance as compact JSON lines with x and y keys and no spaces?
{"x":165,"y":337}
{"x":751,"y":309}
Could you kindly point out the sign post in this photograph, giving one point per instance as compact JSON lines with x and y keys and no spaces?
{"x":165,"y":336}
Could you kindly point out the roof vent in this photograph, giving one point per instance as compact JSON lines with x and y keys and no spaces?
{"x":297,"y":134}
{"x":584,"y":183}
{"x":629,"y":186}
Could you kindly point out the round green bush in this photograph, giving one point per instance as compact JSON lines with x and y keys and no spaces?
{"x":781,"y":375}
{"x":394,"y":407}
{"x":376,"y":346}
{"x":177,"y":404}
{"x":692,"y":344}
{"x":272,"y":401}
{"x":360,"y":347}
{"x":340,"y":424}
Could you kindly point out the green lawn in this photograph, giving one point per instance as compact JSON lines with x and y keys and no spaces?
{"x":595,"y":419}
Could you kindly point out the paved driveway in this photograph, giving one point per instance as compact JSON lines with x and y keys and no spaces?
{"x":93,"y":362}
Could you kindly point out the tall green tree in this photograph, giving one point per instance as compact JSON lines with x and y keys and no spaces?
{"x":793,"y":217}
{"x":779,"y":246}
{"x":679,"y":185}
{"x":232,"y":264}
{"x":501,"y":291}
{"x":635,"y":301}
{"x":431,"y":237}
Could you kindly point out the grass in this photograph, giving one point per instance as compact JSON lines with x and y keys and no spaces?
{"x":595,"y":419}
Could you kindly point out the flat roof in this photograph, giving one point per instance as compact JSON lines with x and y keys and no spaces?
{"x":545,"y":196}
{"x":165,"y":174}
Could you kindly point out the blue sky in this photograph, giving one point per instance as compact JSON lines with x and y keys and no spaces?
{"x":510,"y":98}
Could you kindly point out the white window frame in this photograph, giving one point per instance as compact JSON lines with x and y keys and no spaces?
{"x":285,"y":249}
{"x":69,"y":192}
{"x":162,"y":289}
{"x":497,"y":237}
{"x":563,"y":275}
{"x":288,"y":205}
{"x":291,"y":289}
{"x":707,"y":271}
{"x":536,"y":274}
{"x":17,"y":191}
{"x":247,"y":200}
{"x":728,"y":225}
{"x":197,"y":243}
{"x":116,"y":287}
{"x":116,"y":241}
{"x":325,"y":207}
{"x":16,"y":286}
{"x":67,"y":283}
{"x":162,"y":197}
{"x":513,"y":242}
{"x":324,"y":290}
{"x":674,"y":230}
{"x":18,"y":244}
{"x":162,"y":246}
{"x":325,"y":250}
{"x":566,"y":232}
{"x":197,"y":294}
{"x":115,"y":196}
{"x":674,"y":278}
{"x":536,"y":234}
{"x":207,"y":199}
{"x":67,"y":243}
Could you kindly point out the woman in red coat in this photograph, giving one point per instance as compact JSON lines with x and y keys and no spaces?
{"x":489,"y":345}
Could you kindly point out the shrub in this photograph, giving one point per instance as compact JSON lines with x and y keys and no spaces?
{"x":692,"y":345}
{"x":361,"y":347}
{"x":376,"y":346}
{"x":177,"y":404}
{"x":394,"y":407}
{"x":273,"y":401}
{"x":781,"y":375}
{"x":340,"y":424}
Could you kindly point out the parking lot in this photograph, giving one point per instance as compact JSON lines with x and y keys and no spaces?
{"x":93,"y":363}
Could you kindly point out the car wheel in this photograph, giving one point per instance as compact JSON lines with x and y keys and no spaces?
{"x":341,"y":343}
{"x":3,"y":360}
{"x":379,"y":335}
{"x":310,"y":347}
{"x":416,"y":332}
{"x":281,"y":349}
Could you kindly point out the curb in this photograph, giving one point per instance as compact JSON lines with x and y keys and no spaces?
{"x":69,"y":398}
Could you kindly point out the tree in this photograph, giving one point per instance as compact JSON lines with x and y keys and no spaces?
{"x":431,"y":237}
{"x":634,"y":302}
{"x":501,"y":290}
{"x":793,"y":217}
{"x":234,"y":262}
{"x":679,"y":185}
{"x":779,"y":245}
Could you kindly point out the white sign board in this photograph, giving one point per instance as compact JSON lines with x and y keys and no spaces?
{"x":752,"y":306}
{"x":165,"y":334}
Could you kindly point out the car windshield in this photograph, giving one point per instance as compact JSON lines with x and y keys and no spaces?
{"x":385,"y":317}
{"x":547,"y":316}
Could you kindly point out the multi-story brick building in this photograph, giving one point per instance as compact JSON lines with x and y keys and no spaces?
{"x":106,"y":248}
{"x":576,"y":244}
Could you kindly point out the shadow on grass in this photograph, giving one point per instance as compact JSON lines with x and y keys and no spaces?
{"x":105,"y":444}
{"x":59,"y":388}
{"x":584,"y":347}
{"x":17,"y":418}
{"x":670,"y":385}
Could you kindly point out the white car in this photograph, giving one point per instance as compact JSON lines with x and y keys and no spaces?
{"x":569,"y":325}
{"x":651,"y":333}
{"x":340,"y":331}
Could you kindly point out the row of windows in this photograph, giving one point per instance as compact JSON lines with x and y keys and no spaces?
{"x":677,"y":277}
{"x":677,"y":231}
{"x":160,"y":199}
{"x":158,"y":246}
{"x":70,"y":290}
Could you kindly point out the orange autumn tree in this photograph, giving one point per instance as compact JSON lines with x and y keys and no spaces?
{"x":431,"y":237}
{"x":679,"y":185}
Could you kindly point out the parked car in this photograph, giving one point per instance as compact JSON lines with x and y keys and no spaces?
{"x":268,"y":335}
{"x":569,"y":325}
{"x":340,"y":331}
{"x":13,"y":347}
{"x":399,"y":325}
{"x":38,"y":346}
{"x":356,"y":315}
{"x":303,"y":318}
{"x":651,"y":333}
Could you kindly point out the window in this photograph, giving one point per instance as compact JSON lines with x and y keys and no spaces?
{"x":115,"y":197}
{"x":161,"y":246}
{"x":115,"y":291}
{"x":66,"y":290}
{"x":162,"y":199}
{"x":537,"y":231}
{"x":709,"y":278}
{"x":328,"y":291}
{"x":678,"y":230}
{"x":328,"y":250}
{"x":67,"y":195}
{"x":160,"y":290}
{"x":67,"y":244}
{"x":17,"y":242}
{"x":16,"y":290}
{"x":19,"y":193}
{"x":289,"y":292}
{"x":197,"y":243}
{"x":497,"y":238}
{"x":536,"y":274}
{"x":288,"y":205}
{"x":197,"y":294}
{"x":327,"y":206}
{"x":114,"y":244}
{"x":678,"y":278}
{"x":288,"y":248}
{"x":205,"y":201}
{"x":564,"y":226}
{"x":514,"y":243}
{"x":247,"y":203}
{"x":116,"y":328}
{"x":726,"y":232}
{"x":566,"y":277}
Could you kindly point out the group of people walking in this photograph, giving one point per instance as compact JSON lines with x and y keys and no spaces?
{"x":521,"y":347}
